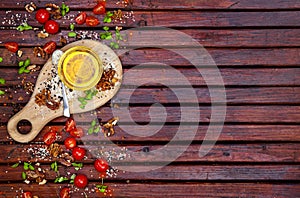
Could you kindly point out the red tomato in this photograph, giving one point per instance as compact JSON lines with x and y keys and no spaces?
{"x":49,"y":47}
{"x":77,"y":132}
{"x":64,"y":193}
{"x":92,"y":21}
{"x":42,"y":16}
{"x":12,"y":46}
{"x":70,"y":143}
{"x":27,"y":195}
{"x":51,"y":27}
{"x":70,"y":125}
{"x":78,"y":153}
{"x":99,"y":8}
{"x":101,"y":165}
{"x":49,"y":137}
{"x":80,"y":181}
{"x":80,"y":19}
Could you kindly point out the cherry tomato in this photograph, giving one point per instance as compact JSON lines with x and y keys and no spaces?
{"x":64,"y":193}
{"x":70,"y":143}
{"x":12,"y":46}
{"x":92,"y":21}
{"x":78,"y":153}
{"x":80,"y":19}
{"x":70,"y":125}
{"x":42,"y":16}
{"x":77,"y":132}
{"x":80,"y":181}
{"x":49,"y":47}
{"x":99,"y":8}
{"x":27,"y":195}
{"x":51,"y":27}
{"x":100,"y":165}
{"x":49,"y":137}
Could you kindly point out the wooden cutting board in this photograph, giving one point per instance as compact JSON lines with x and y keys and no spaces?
{"x":39,"y":116}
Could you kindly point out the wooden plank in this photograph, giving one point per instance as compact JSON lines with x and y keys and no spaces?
{"x":233,"y":57}
{"x":230,"y":153}
{"x":234,"y":96}
{"x":183,"y":19}
{"x":234,"y":114}
{"x":207,"y":38}
{"x":177,"y":173}
{"x":182,"y":189}
{"x":174,"y":4}
{"x":164,"y":76}
{"x":238,"y":133}
{"x":186,"y":114}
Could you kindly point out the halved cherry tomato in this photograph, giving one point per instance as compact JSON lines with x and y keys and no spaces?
{"x":80,"y":19}
{"x":101,"y":165}
{"x":92,"y":21}
{"x":70,"y":125}
{"x":52,"y":27}
{"x":64,"y":193}
{"x":27,"y":195}
{"x":78,"y":153}
{"x":80,"y":181}
{"x":42,"y":16}
{"x":49,"y":47}
{"x":77,"y":132}
{"x":99,"y":8}
{"x":70,"y":143}
{"x":12,"y":46}
{"x":49,"y":138}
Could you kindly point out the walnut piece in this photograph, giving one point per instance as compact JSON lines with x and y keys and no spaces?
{"x":43,"y":34}
{"x":65,"y":159}
{"x":107,"y":80}
{"x":54,"y":10}
{"x":54,"y":150}
{"x":109,"y":126}
{"x":39,"y":52}
{"x":30,"y":7}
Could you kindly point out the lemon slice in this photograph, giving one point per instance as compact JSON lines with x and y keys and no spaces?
{"x":80,"y":68}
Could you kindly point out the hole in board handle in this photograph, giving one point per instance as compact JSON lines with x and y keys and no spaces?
{"x":24,"y":126}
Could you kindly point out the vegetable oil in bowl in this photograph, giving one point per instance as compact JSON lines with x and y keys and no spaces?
{"x":80,"y":68}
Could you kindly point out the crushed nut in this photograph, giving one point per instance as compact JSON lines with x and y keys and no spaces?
{"x":65,"y":159}
{"x":31,"y":67}
{"x":107,"y":80}
{"x":20,"y":53}
{"x":39,"y":52}
{"x":43,"y":34}
{"x":30,"y":7}
{"x":63,"y":41}
{"x":53,"y":105}
{"x":54,"y":10}
{"x":43,"y":182}
{"x":36,"y":176}
{"x":44,"y":98}
{"x":109,"y":126}
{"x":28,"y":86}
{"x":54,"y":149}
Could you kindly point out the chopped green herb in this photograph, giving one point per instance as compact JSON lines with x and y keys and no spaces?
{"x":31,"y":167}
{"x":27,"y":62}
{"x":24,"y":175}
{"x":54,"y":166}
{"x":72,"y":178}
{"x":101,"y":188}
{"x":21,"y":63}
{"x":15,"y":165}
{"x":105,"y":28}
{"x":93,"y":123}
{"x":24,"y":26}
{"x":114,"y":45}
{"x":26,"y":166}
{"x":21,"y":70}
{"x":60,"y":179}
{"x":72,"y":34}
{"x":64,"y":9}
{"x":72,"y":26}
{"x":107,"y":18}
{"x":2,"y":92}
{"x":1,"y":59}
{"x":2,"y":81}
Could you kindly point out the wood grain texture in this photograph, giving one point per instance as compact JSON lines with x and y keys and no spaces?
{"x":206,"y":37}
{"x":194,"y":189}
{"x":230,"y":133}
{"x":174,"y":4}
{"x":234,"y":96}
{"x":229,"y":153}
{"x":196,"y":19}
{"x":233,"y":57}
{"x":231,"y":77}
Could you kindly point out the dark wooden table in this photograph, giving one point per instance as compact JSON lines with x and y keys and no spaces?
{"x":255,"y":45}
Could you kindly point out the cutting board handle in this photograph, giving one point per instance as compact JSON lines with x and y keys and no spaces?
{"x":36,"y":118}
